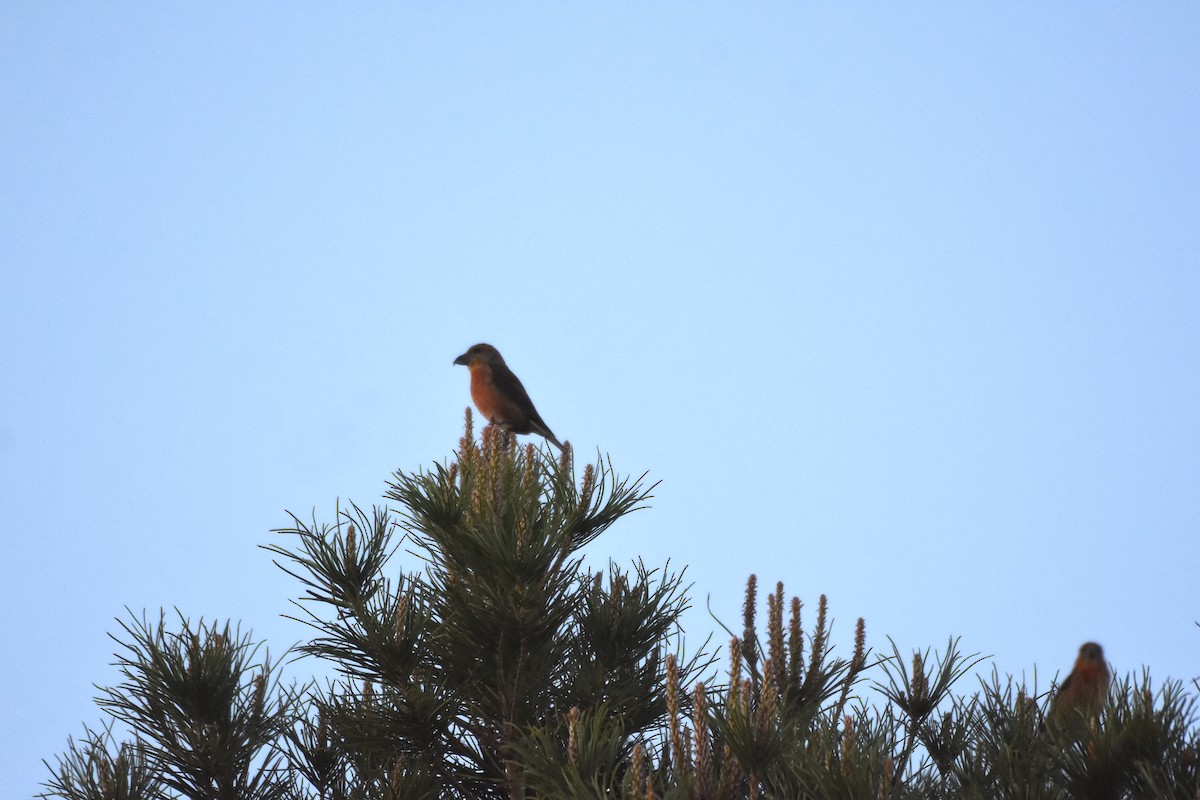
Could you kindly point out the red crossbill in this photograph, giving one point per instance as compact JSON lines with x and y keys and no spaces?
{"x":499,"y":395}
{"x":1086,"y":688}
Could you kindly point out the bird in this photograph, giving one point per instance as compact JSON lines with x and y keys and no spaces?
{"x":499,"y":395}
{"x":1086,"y":688}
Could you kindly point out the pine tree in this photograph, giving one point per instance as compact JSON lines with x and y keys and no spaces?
{"x":447,"y":673}
{"x":506,"y":667}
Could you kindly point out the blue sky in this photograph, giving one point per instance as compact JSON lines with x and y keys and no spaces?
{"x":899,"y":304}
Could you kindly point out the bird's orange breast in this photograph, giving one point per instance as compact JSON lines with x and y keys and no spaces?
{"x":493,"y":405}
{"x":1087,"y":684}
{"x":1091,"y":672}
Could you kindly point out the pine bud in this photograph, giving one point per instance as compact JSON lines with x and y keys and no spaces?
{"x":573,"y":736}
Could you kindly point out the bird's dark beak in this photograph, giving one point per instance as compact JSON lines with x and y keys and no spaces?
{"x":461,"y":360}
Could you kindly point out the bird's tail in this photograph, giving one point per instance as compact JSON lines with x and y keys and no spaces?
{"x":548,"y":435}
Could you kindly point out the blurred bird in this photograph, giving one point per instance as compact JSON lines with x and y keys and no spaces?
{"x":1086,"y":688}
{"x":499,"y":395}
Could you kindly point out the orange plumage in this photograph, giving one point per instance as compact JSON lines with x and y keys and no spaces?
{"x":1086,"y":688}
{"x":499,"y":395}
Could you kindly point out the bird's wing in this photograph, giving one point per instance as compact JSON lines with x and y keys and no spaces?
{"x":509,"y":385}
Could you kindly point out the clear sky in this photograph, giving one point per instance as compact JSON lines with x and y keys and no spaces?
{"x":899,"y":302}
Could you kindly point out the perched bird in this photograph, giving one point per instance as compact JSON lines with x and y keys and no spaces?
{"x":1087,"y":686}
{"x":499,"y":395}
